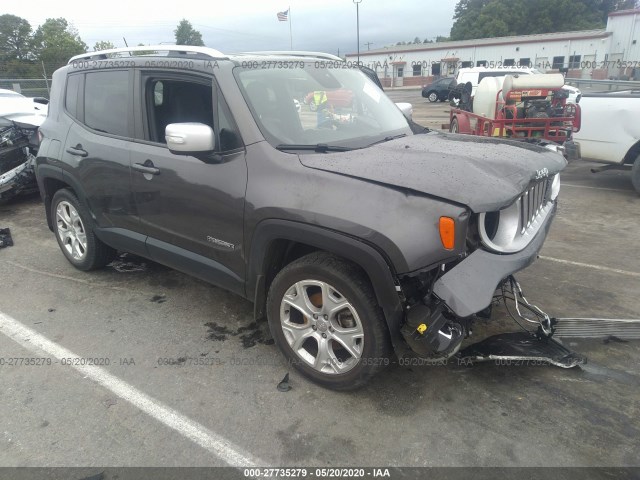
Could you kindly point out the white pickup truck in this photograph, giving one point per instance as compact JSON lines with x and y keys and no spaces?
{"x":610,"y":131}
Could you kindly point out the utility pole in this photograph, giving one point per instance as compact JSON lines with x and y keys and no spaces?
{"x":357,"y":2}
{"x":368,"y":44}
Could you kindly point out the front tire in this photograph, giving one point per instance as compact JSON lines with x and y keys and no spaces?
{"x":635,"y":174}
{"x":433,"y":97}
{"x":324,"y":317}
{"x":73,"y":228}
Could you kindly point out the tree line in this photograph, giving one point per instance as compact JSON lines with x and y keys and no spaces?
{"x":25,"y":52}
{"x":502,"y":18}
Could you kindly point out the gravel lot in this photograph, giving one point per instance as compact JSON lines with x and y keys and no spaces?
{"x":189,"y":370}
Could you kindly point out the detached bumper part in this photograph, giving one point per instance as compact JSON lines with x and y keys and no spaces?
{"x":19,"y":180}
{"x":469,"y":287}
{"x":521,"y":346}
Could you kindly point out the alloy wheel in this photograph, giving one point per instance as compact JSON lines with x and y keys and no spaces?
{"x":71,"y":231}
{"x":322,"y":327}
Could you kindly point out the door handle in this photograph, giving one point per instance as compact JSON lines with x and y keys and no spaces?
{"x":146,"y":168}
{"x":78,"y":151}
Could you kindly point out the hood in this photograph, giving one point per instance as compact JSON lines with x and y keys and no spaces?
{"x":26,"y":119}
{"x":23,"y":110}
{"x":482,"y":173}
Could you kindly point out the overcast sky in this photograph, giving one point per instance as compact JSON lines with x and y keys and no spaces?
{"x":235,"y":26}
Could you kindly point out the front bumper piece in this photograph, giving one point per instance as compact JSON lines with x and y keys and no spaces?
{"x":469,"y":287}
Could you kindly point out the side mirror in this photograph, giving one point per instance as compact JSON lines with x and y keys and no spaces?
{"x":406,"y":109}
{"x":190,"y":138}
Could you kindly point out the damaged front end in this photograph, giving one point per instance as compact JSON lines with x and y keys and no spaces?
{"x":18,"y":149}
{"x":443,"y":303}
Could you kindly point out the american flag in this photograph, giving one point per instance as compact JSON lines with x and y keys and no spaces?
{"x":282,"y":16}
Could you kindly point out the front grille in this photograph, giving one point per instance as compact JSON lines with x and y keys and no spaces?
{"x":531,"y":203}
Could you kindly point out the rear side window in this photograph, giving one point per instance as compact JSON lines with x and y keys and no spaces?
{"x":106,"y":102}
{"x":71,"y":95}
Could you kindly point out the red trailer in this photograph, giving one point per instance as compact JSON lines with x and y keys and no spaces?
{"x":526,"y":107}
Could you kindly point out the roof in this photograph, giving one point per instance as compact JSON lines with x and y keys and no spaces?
{"x":483,"y":42}
{"x":619,"y":13}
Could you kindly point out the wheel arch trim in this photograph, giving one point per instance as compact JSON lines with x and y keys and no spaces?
{"x":364,"y":255}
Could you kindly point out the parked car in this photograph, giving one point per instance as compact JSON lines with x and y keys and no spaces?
{"x":438,"y":90}
{"x":356,"y":240}
{"x":476,"y":74}
{"x":610,"y":132}
{"x":20,"y":118}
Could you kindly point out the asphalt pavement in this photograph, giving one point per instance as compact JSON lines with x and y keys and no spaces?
{"x":141,"y":365}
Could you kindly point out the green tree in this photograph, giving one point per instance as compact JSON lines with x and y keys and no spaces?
{"x":103,"y":45}
{"x":15,"y":37}
{"x":496,"y":18}
{"x":55,"y":41}
{"x":187,"y":35}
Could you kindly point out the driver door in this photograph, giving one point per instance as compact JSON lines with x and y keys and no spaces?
{"x":190,"y":208}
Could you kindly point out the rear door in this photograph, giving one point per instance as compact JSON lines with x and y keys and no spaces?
{"x":191,"y":208}
{"x":96,"y":151}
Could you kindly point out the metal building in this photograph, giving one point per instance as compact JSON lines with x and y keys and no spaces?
{"x":613,"y":52}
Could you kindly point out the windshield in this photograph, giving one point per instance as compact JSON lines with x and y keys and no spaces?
{"x":316,"y":103}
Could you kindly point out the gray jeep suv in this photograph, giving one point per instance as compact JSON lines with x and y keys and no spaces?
{"x":354,"y":231}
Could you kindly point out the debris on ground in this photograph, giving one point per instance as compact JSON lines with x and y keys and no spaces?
{"x":250,"y":335}
{"x":128,"y":263}
{"x":284,"y":386}
{"x":5,"y":238}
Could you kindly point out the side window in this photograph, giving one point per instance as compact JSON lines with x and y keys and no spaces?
{"x":106,"y":102}
{"x":229,"y":137}
{"x":171,"y":100}
{"x":71,"y":94}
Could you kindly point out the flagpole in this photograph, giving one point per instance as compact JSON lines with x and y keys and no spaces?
{"x":290,"y":34}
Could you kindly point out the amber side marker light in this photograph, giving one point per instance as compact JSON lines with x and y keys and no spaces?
{"x":447,"y":232}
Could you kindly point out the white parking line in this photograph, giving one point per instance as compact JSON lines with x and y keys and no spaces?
{"x":588,"y":265}
{"x":207,"y":439}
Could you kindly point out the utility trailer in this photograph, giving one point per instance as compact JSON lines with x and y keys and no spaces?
{"x":531,"y":108}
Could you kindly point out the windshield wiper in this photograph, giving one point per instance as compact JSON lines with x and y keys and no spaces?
{"x":389,"y":138}
{"x":318,"y":147}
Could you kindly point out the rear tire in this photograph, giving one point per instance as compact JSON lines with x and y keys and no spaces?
{"x":324,"y":317}
{"x":73,"y":228}
{"x":454,"y":127}
{"x":635,"y":174}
